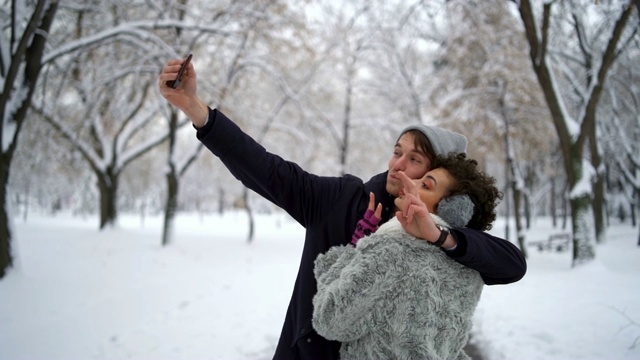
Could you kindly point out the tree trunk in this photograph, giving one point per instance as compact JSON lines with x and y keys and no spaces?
{"x":633,"y":206}
{"x":552,"y":201}
{"x":507,"y":205}
{"x":20,"y":74}
{"x":565,"y":210}
{"x":346,"y":122}
{"x":527,"y":209}
{"x":143,"y":212}
{"x":510,"y":172}
{"x":6,"y":259}
{"x":220,"y":201}
{"x":598,"y":205}
{"x":26,"y":201}
{"x":607,"y":189}
{"x":528,"y":206}
{"x":581,"y":217}
{"x":517,"y":196}
{"x":108,"y":186}
{"x":172,"y":183}
{"x":245,"y":198}
{"x":513,"y":181}
{"x":598,"y":188}
{"x":171,"y":206}
{"x":581,"y":210}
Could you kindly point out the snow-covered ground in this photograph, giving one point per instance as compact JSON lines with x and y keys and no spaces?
{"x":77,"y":293}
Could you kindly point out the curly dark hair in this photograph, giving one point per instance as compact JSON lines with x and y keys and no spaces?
{"x":470,"y":181}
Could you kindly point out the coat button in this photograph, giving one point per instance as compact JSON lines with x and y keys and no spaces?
{"x":308,"y":340}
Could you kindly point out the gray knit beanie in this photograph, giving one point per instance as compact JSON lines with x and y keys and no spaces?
{"x":442,"y":140}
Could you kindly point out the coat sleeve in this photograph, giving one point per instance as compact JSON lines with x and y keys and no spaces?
{"x":348,"y":286}
{"x":328,"y":266}
{"x":308,"y":198}
{"x":497,"y":260}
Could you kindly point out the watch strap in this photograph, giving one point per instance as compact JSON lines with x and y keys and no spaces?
{"x":443,"y":237}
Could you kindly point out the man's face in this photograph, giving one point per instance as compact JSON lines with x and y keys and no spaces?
{"x":406,"y":158}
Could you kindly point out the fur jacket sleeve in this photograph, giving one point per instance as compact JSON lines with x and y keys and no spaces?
{"x":394,"y":296}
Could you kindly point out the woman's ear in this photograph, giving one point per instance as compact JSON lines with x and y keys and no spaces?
{"x":456,"y":210}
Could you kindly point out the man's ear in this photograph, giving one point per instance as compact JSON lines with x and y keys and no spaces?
{"x":456,"y":210}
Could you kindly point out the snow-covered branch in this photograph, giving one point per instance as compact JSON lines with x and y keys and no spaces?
{"x":138,"y":29}
{"x":87,"y":152}
{"x":140,"y":149}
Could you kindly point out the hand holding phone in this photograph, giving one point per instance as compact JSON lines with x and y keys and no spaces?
{"x":175,"y":83}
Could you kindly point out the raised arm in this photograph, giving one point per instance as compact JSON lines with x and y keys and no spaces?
{"x":498,"y":261}
{"x":306,"y":197}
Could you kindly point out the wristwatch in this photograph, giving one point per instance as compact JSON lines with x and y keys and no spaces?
{"x":443,"y":235}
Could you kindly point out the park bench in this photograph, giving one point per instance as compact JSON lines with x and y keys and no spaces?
{"x":558,"y":242}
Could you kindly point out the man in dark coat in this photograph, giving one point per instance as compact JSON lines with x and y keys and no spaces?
{"x":330,"y":207}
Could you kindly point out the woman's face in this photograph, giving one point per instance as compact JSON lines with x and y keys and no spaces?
{"x":431,"y":188}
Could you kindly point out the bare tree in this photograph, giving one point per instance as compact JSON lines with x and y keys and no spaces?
{"x":174,"y":170}
{"x":514,"y":179}
{"x":623,"y":131}
{"x":122,"y":105}
{"x":258,"y":25}
{"x":401,"y":55}
{"x":619,"y":134}
{"x":23,"y":38}
{"x":106,"y":149}
{"x":484,"y":89}
{"x":573,"y":131}
{"x":346,"y":46}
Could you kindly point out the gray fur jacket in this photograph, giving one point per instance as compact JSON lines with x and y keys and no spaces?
{"x":395,"y":297}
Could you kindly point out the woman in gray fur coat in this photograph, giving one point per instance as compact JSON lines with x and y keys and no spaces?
{"x":392,"y":295}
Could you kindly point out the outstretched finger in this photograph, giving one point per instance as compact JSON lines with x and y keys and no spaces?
{"x":408,"y":184}
{"x":372,"y":201}
{"x":410,"y":213}
{"x":407,"y":201}
{"x":378,"y":212}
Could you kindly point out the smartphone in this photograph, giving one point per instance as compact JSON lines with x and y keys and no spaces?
{"x":175,"y":83}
